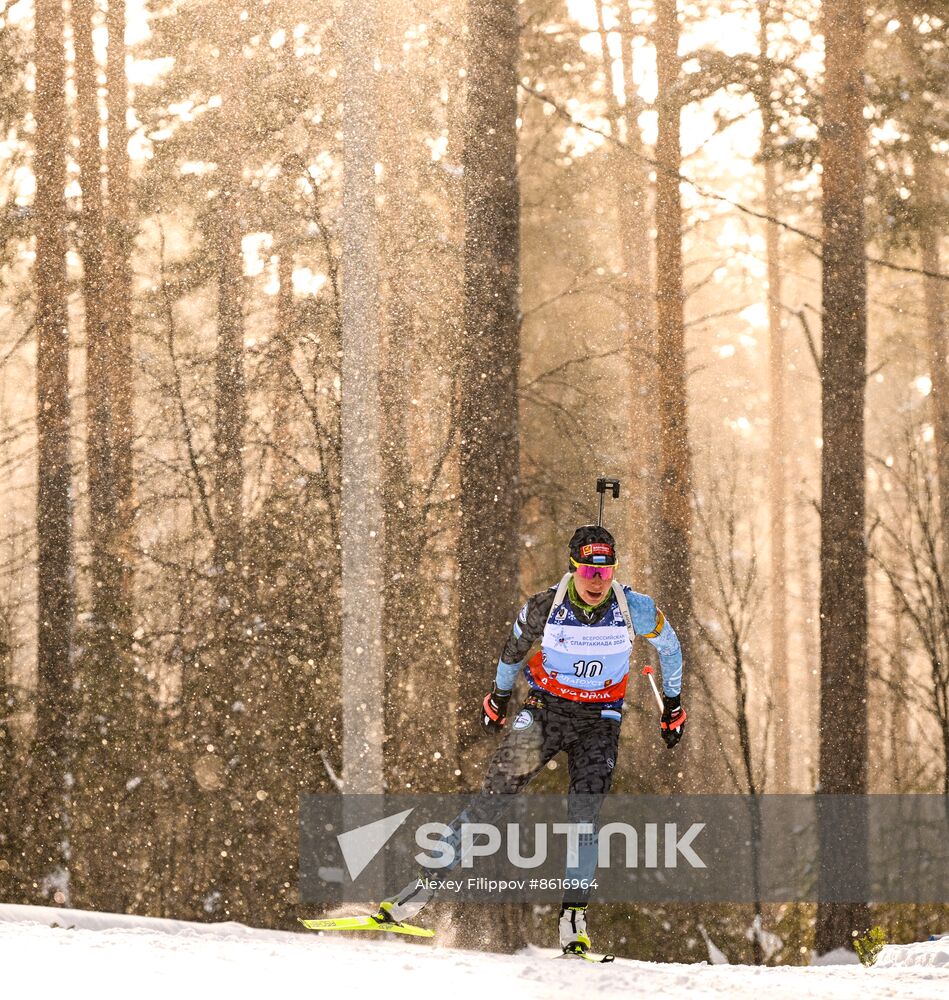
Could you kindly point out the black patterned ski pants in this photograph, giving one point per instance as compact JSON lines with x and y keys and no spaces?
{"x":542,"y":728}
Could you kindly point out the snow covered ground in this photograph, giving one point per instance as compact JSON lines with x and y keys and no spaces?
{"x":105,"y":956}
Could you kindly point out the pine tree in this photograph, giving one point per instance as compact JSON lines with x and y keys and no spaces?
{"x":843,"y":597}
{"x":675,"y":569}
{"x":361,"y":511}
{"x":53,"y":749}
{"x":488,"y":539}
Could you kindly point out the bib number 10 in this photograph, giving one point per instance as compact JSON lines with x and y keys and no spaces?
{"x":588,"y":668}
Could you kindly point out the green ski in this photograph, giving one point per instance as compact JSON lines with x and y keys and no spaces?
{"x":366,"y":924}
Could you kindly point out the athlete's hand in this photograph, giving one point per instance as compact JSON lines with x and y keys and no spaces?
{"x":672,"y":723}
{"x":494,"y":708}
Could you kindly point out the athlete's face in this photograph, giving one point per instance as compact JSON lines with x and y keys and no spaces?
{"x":591,"y":590}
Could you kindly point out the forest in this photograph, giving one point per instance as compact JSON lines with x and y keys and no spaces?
{"x":318,"y":323}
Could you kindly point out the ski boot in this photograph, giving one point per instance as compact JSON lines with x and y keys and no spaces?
{"x":574,"y":939}
{"x":407,"y":903}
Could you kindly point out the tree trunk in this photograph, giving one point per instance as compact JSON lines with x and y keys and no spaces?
{"x":490,"y":450}
{"x":222,"y":703}
{"x":843,"y":598}
{"x":935,"y":306}
{"x":230,"y":398}
{"x":54,"y":508}
{"x":777,"y":443}
{"x":804,"y":566}
{"x":104,"y":762}
{"x":675,"y":570}
{"x":633,"y":224}
{"x":402,"y":548}
{"x":489,"y":457}
{"x":102,"y":494}
{"x":925,"y":189}
{"x":897,"y":698}
{"x":362,"y":527}
{"x":283,"y":436}
{"x":119,"y":238}
{"x":410,"y":629}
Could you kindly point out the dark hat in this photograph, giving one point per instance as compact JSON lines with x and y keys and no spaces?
{"x":592,"y":543}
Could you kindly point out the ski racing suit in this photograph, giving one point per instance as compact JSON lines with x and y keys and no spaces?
{"x":576,"y":687}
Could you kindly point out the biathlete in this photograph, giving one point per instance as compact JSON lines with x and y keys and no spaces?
{"x":577,"y":681}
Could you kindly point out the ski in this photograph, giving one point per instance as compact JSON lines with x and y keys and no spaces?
{"x":366,"y":924}
{"x":588,"y":956}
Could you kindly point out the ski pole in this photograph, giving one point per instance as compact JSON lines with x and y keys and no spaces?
{"x":680,"y":720}
{"x":648,"y":671}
